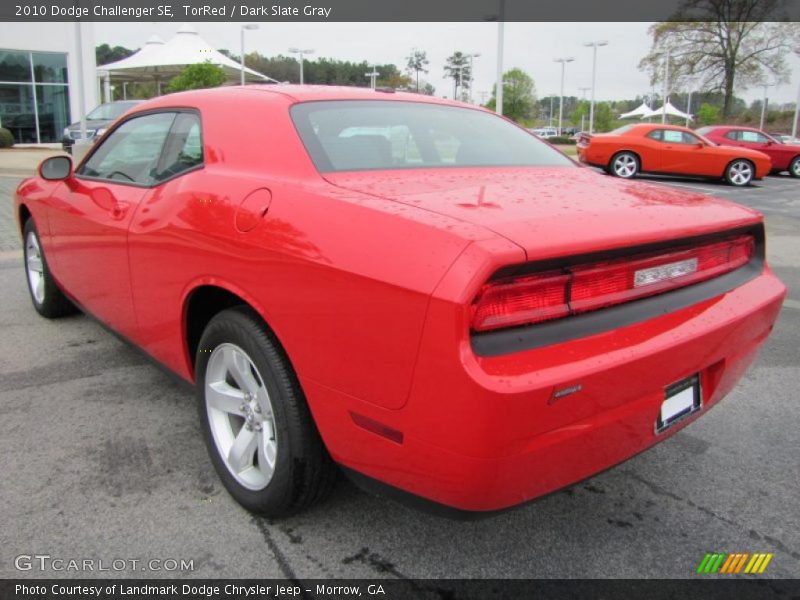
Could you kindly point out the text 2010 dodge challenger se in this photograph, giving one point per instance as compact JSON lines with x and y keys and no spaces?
{"x":416,"y":290}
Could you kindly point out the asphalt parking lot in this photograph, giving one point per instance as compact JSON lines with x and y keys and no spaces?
{"x":101,"y":458}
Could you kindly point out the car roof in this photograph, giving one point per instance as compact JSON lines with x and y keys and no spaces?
{"x":649,"y":126}
{"x":307,"y":93}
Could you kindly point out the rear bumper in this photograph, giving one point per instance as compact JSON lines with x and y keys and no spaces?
{"x":487,"y":433}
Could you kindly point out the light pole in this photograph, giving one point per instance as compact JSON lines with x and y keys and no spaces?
{"x":460,"y":81}
{"x":471,"y":73}
{"x":689,"y":107}
{"x":583,"y":99}
{"x":498,"y":93}
{"x":666,"y":90}
{"x":249,"y":26}
{"x":594,"y":46}
{"x":373,"y":76}
{"x":764,"y":104}
{"x":563,"y":62}
{"x":301,"y":52}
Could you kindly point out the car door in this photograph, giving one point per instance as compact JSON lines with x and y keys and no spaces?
{"x":90,"y":227}
{"x":679,"y":152}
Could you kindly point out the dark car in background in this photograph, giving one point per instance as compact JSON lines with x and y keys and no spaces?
{"x":97,"y":121}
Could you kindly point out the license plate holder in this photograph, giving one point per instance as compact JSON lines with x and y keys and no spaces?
{"x":681,"y":399}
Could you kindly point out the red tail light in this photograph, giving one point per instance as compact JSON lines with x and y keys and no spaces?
{"x":585,"y":287}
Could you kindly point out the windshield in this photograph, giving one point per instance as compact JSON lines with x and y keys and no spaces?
{"x":110,"y":111}
{"x":361,"y":135}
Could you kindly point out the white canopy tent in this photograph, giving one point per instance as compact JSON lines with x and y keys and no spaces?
{"x":670,"y":110}
{"x":640,"y":112}
{"x":160,"y":61}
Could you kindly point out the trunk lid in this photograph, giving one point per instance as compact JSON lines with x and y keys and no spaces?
{"x":553,"y":211}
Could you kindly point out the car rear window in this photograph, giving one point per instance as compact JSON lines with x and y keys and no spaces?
{"x":361,"y":135}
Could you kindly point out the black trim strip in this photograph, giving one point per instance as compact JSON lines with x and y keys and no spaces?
{"x":528,"y":337}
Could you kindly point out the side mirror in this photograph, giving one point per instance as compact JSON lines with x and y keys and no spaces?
{"x":56,"y":168}
{"x":699,"y":145}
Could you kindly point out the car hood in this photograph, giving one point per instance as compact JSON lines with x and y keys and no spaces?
{"x":553,"y":211}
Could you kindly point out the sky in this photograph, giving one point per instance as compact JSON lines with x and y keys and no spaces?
{"x":529,"y":46}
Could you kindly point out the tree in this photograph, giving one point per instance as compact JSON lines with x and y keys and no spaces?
{"x":416,"y":62}
{"x":105,"y":54}
{"x":195,"y":77}
{"x":707,"y":114}
{"x":603,"y":117}
{"x":722,"y":44}
{"x":457,"y":68}
{"x":519,"y":95}
{"x":427,"y":89}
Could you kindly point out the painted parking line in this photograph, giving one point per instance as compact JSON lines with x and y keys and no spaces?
{"x":791,"y":303}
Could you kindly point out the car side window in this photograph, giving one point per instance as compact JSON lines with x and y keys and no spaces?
{"x":656,"y":134}
{"x":183,"y":149}
{"x":753,"y":137}
{"x":131,"y":152}
{"x":732,"y":135}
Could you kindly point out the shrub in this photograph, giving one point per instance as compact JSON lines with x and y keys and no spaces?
{"x":561,"y":140}
{"x":6,"y":139}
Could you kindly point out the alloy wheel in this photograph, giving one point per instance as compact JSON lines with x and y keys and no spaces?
{"x":625,"y":165}
{"x":740,"y":173}
{"x":34,"y":265}
{"x":240,"y":416}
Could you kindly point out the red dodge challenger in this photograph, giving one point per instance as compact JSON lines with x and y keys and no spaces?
{"x":670,"y":150}
{"x":785,"y":157}
{"x":414,"y":290}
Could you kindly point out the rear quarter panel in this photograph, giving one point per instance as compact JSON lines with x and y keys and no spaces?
{"x":343,"y":279}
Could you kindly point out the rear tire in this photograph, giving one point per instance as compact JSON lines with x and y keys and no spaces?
{"x":48,"y":299}
{"x":794,"y":167}
{"x":624,"y":165}
{"x":257,"y":426}
{"x":739,"y":172}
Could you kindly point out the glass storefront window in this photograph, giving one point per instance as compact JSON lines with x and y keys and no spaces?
{"x":34,"y":104}
{"x":16,"y":112}
{"x":15,"y":66}
{"x":53,"y":106}
{"x":49,"y":67}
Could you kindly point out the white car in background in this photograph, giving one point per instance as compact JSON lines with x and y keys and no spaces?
{"x":545,"y":132}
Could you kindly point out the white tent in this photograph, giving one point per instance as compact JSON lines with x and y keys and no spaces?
{"x":640,"y":111}
{"x":160,"y":61}
{"x":670,"y":110}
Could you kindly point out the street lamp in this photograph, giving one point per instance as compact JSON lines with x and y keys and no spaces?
{"x":301,"y":52}
{"x":460,"y":81}
{"x":583,"y":99}
{"x":471,"y":73}
{"x":563,"y":62}
{"x":764,"y":104}
{"x":249,"y":26}
{"x":796,"y":104}
{"x":594,"y":46}
{"x":373,"y":76}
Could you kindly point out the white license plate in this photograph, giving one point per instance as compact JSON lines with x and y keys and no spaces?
{"x":680,"y":400}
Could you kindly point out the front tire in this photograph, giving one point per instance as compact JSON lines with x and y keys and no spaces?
{"x":624,"y":165}
{"x":48,"y":300}
{"x":794,"y":167}
{"x":257,"y":426}
{"x":739,"y":172}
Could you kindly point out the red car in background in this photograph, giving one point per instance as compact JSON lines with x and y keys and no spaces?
{"x":670,"y":150}
{"x":413,"y":289}
{"x":785,"y":157}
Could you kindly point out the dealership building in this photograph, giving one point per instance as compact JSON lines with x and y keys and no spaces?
{"x":39,"y":73}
